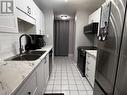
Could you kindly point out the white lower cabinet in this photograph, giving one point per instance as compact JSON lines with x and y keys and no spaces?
{"x":40,"y":78}
{"x":29,"y":87}
{"x":37,"y":81}
{"x":46,"y":69}
{"x":90,"y":68}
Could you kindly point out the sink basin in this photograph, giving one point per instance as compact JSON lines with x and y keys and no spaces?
{"x":36,"y":52}
{"x":25,"y":57}
{"x":29,"y":56}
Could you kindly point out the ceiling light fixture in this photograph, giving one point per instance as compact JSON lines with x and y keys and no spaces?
{"x":66,"y":0}
{"x":64,"y":17}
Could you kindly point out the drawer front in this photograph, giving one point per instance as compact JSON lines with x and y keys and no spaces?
{"x":91,"y":78}
{"x":29,"y":87}
{"x":90,"y":68}
{"x":90,"y":59}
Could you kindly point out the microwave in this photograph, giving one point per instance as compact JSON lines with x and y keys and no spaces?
{"x":91,"y":28}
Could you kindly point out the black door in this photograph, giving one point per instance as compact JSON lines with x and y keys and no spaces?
{"x":61,"y":37}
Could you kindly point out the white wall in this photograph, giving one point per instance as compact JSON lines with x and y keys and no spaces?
{"x":49,"y":21}
{"x":9,"y":45}
{"x":80,"y":38}
{"x":71,"y":37}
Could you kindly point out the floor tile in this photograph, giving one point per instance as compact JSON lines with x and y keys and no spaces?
{"x":89,"y":92}
{"x":74,"y":93}
{"x":64,"y":81}
{"x":54,"y":91}
{"x":47,"y":91}
{"x":83,"y":93}
{"x":85,"y":82}
{"x":66,"y":92}
{"x":71,"y":81}
{"x":51,"y":82}
{"x":66,"y":78}
{"x":52,"y":78}
{"x":70,"y":77}
{"x":57,"y":88}
{"x":49,"y":88}
{"x":57,"y":81}
{"x":81,"y":87}
{"x":88,"y":87}
{"x":72,"y":87}
{"x":78,"y":82}
{"x":58,"y":78}
{"x":65,"y":87}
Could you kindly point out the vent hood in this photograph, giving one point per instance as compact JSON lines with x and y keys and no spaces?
{"x":91,"y":28}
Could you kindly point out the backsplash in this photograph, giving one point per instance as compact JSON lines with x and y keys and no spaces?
{"x":9,"y":45}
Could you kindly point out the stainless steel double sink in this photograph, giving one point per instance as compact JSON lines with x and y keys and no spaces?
{"x":28,"y":56}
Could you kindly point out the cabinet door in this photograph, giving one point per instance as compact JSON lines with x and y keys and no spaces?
{"x":46,"y":65}
{"x":91,"y":64}
{"x":29,"y":87}
{"x":37,"y":20}
{"x":39,"y":16}
{"x":32,"y":11}
{"x":95,"y":16}
{"x":22,"y":5}
{"x":42,"y":23}
{"x":26,"y":6}
{"x":40,"y":78}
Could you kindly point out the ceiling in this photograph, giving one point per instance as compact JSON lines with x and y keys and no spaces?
{"x":70,"y":7}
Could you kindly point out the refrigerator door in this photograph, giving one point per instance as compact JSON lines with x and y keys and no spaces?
{"x":108,"y":50}
{"x":121,"y":81}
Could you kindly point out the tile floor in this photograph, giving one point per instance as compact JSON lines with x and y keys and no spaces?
{"x":65,"y":78}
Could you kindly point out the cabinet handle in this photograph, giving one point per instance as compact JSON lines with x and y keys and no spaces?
{"x":40,"y":31}
{"x":28,"y":10}
{"x":88,"y":62}
{"x":29,"y":93}
{"x":88,"y":69}
{"x":45,"y":61}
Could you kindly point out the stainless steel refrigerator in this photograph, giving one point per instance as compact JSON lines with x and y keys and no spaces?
{"x":111,"y":68}
{"x":121,"y":79}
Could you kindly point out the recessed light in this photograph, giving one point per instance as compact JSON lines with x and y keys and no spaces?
{"x":64,"y":17}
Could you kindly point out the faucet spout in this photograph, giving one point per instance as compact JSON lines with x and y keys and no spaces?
{"x":20,"y":43}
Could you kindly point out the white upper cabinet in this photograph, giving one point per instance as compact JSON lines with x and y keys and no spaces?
{"x":27,"y":14}
{"x":26,"y":6}
{"x":95,"y":17}
{"x":39,"y":21}
{"x":43,"y":24}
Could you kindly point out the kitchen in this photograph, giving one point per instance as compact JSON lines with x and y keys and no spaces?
{"x":63,"y":47}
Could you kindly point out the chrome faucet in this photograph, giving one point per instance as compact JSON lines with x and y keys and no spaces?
{"x":20,"y":44}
